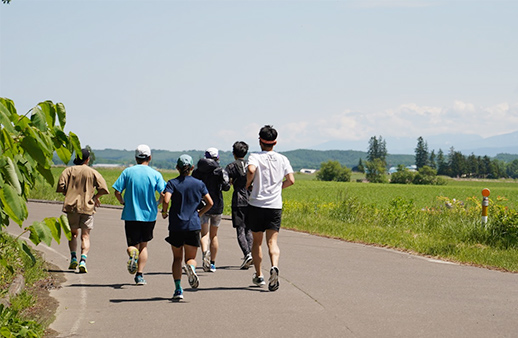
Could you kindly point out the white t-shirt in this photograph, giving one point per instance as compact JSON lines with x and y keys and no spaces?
{"x":271,"y":167}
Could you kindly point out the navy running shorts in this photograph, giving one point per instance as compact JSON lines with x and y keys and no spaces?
{"x":181,"y":238}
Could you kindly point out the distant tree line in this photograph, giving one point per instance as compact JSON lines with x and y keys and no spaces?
{"x":455,"y":164}
{"x":429,"y":166}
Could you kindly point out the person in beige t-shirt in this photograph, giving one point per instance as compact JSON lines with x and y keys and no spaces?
{"x":82,"y":186}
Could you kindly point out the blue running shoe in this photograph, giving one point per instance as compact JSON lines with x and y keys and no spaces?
{"x":139,"y":280}
{"x":82,"y":267}
{"x":212,"y":268}
{"x":73,"y":264}
{"x":178,"y":294}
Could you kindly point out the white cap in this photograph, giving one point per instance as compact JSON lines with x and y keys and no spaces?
{"x":142,"y":151}
{"x":212,"y":153}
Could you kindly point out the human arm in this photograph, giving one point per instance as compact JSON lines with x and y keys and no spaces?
{"x":289,"y":180}
{"x":208,"y":204}
{"x":118,"y":195}
{"x":165,"y":204}
{"x":250,"y":173}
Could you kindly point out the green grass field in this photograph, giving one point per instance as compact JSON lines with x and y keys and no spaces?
{"x":439,"y":221}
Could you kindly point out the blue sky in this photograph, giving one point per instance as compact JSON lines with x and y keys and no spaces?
{"x":182,"y":75}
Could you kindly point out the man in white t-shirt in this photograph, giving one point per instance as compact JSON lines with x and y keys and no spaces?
{"x":268,"y":173}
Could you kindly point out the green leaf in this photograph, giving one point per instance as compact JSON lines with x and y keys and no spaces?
{"x":42,"y":231}
{"x":5,"y":117}
{"x":74,"y":140}
{"x":4,"y":263}
{"x":46,"y":173}
{"x":33,"y":149}
{"x":27,"y":250}
{"x":33,"y":236}
{"x":63,"y":221}
{"x":38,"y":118}
{"x":62,"y":115}
{"x":12,"y":176}
{"x":12,"y":204}
{"x":64,"y":154}
{"x":7,"y":141}
{"x":50,"y":112}
{"x":55,"y":228}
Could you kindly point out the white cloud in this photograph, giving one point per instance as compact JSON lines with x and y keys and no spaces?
{"x":406,"y":120}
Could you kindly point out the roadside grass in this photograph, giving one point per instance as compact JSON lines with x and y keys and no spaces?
{"x":20,"y":314}
{"x":439,"y":221}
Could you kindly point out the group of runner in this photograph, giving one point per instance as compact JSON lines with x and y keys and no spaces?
{"x":193,"y":204}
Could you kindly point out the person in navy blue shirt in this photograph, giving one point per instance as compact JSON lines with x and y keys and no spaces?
{"x":185,"y":193}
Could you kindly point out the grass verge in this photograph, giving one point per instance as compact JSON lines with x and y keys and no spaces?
{"x":29,"y":312}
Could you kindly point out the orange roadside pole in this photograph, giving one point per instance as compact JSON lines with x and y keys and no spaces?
{"x":485,"y":204}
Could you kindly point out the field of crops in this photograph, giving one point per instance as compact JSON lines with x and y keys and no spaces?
{"x":441,"y":221}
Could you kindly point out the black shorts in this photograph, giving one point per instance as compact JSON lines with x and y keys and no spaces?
{"x":262,"y":219}
{"x":138,"y":232}
{"x":181,"y":238}
{"x":238,"y":217}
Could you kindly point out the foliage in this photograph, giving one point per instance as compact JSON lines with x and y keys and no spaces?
{"x":12,"y":325}
{"x":402,"y":176}
{"x":421,"y":153}
{"x":27,"y":145}
{"x":13,"y":321}
{"x":333,"y":171}
{"x":377,"y":150}
{"x":376,"y":171}
{"x":427,"y":175}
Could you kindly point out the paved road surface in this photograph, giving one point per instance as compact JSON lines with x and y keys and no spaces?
{"x":329,"y":288}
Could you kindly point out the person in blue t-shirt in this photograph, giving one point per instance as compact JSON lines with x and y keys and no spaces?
{"x":139,"y":184}
{"x":185,"y":194}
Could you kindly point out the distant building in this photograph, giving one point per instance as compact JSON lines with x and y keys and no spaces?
{"x":307,"y":171}
{"x":107,"y":165}
{"x":412,"y":167}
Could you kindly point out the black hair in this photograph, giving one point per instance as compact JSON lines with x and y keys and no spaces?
{"x":86,"y":155}
{"x":240,"y":149}
{"x":141,"y":160}
{"x":184,"y":170}
{"x":268,"y":133}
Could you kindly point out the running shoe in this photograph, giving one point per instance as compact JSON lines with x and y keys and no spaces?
{"x":247,"y":261}
{"x":133,"y":261}
{"x":139,"y":280}
{"x":206,"y":261}
{"x":73,"y":264}
{"x":178,"y":294}
{"x":273,"y":282}
{"x":258,"y":280}
{"x":194,"y":281}
{"x":212,"y":268}
{"x":82,"y":267}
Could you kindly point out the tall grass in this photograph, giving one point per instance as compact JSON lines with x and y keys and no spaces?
{"x":440,"y":221}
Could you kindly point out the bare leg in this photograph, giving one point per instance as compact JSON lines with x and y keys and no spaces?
{"x":85,"y":241}
{"x":214,"y":244}
{"x":190,"y":255}
{"x":142,"y":258}
{"x":257,"y":252}
{"x":177,"y":262}
{"x":273,"y":248}
{"x":204,"y":237}
{"x":72,"y":244}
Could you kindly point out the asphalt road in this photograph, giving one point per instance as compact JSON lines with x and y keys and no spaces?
{"x":328,"y":288}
